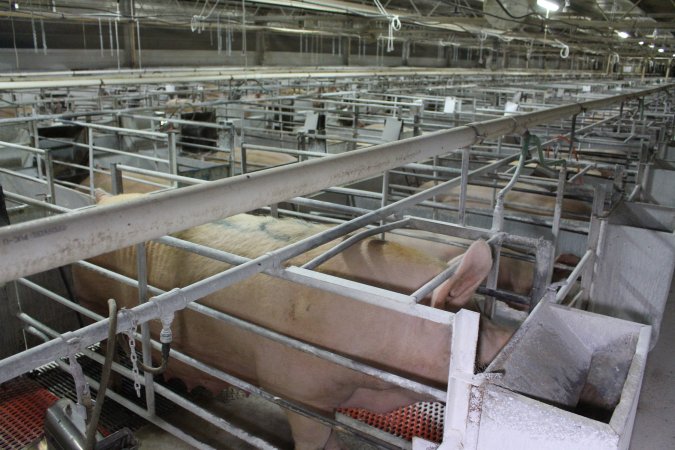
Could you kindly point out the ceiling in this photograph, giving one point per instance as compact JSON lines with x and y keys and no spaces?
{"x":579,"y":27}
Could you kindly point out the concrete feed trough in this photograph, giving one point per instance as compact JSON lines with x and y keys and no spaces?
{"x":571,"y":380}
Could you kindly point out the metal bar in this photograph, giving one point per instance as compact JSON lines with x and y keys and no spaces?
{"x":572,"y":135}
{"x":164,"y":175}
{"x":49,"y":172}
{"x":569,"y":282}
{"x":320,"y":259}
{"x":59,"y":299}
{"x":173,"y":156}
{"x":385,"y":196}
{"x":90,"y":145}
{"x":425,"y":290}
{"x":37,"y":151}
{"x":582,"y":172}
{"x":117,"y":182}
{"x":34,"y":202}
{"x":108,"y":150}
{"x":287,"y":151}
{"x":543,"y":270}
{"x":463,"y":188}
{"x":557,"y":211}
{"x":118,"y":130}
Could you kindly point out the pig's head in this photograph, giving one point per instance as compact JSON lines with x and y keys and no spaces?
{"x":474,"y":266}
{"x":455,"y":293}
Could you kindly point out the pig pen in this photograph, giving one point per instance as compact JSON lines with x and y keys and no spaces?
{"x":461,"y":376}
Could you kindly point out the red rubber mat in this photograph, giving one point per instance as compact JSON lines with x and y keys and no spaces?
{"x":423,"y":420}
{"x":23,"y":404}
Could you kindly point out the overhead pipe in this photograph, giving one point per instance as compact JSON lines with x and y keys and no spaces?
{"x":224,"y":74}
{"x":54,"y":241}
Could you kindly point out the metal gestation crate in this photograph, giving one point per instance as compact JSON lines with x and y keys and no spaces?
{"x":550,"y":327}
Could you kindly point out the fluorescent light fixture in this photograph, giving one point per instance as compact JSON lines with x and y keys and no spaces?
{"x":651,"y":45}
{"x":661,"y":50}
{"x":622,"y":34}
{"x":548,"y":5}
{"x":641,"y":42}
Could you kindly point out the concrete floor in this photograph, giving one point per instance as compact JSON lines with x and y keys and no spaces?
{"x":655,"y":421}
{"x":654,"y":424}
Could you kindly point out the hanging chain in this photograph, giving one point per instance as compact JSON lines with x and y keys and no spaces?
{"x":134,"y":356}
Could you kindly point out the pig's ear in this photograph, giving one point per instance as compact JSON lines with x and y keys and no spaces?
{"x":474,"y":267}
{"x":100,"y":194}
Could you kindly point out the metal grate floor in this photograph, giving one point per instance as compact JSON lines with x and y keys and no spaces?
{"x":424,"y":419}
{"x":23,"y":404}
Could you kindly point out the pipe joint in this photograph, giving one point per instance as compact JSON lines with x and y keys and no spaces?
{"x":479,"y":135}
{"x":72,"y":341}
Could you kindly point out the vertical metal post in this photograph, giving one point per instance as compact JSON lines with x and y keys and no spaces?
{"x":572,"y":132}
{"x":618,"y":128}
{"x":463,"y":186}
{"x":153,"y":127}
{"x":543,"y":271}
{"x":642,"y":176}
{"x":385,"y":195}
{"x":36,"y":144}
{"x":49,"y":169}
{"x":226,"y":142}
{"x":462,"y":362}
{"x":90,"y":144}
{"x":493,"y":277}
{"x":117,"y":182}
{"x":35,"y":133}
{"x":642,"y":108}
{"x":243,"y":158}
{"x":16,"y":310}
{"x":559,"y":197}
{"x":173,"y":156}
{"x":142,"y":268}
{"x":596,"y":230}
{"x":355,"y":127}
{"x":434,"y":212}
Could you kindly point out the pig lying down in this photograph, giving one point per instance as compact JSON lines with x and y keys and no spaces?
{"x":481,"y":197}
{"x":387,"y":339}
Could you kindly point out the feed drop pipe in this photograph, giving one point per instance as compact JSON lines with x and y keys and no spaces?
{"x":42,"y":244}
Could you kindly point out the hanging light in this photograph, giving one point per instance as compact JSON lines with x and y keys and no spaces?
{"x":566,"y":8}
{"x":622,"y":34}
{"x":651,"y":45}
{"x":641,"y":42}
{"x":661,"y":50}
{"x":548,"y":5}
